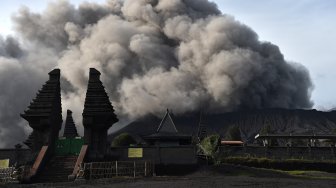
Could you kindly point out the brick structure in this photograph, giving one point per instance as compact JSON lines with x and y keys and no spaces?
{"x":98,"y":117}
{"x":44,"y":114}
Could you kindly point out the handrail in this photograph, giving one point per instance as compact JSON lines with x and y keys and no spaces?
{"x":37,"y":164}
{"x":79,"y":161}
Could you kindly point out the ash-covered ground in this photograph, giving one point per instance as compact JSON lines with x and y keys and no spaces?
{"x":222,"y":176}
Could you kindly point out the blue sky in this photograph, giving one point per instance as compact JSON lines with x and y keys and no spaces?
{"x":303,"y":29}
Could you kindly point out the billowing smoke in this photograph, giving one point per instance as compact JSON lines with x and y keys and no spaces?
{"x":153,"y":54}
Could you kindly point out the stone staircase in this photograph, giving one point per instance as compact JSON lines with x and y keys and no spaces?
{"x":57,"y":169}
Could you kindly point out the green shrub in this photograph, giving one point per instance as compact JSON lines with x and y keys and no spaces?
{"x":123,"y":139}
{"x":209,"y":146}
{"x":289,"y":164}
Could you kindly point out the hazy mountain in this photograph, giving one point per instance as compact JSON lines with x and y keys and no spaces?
{"x":284,"y":121}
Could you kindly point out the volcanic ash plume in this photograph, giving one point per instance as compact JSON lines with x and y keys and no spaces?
{"x":153,"y":54}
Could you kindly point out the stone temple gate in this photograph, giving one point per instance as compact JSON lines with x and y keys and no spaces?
{"x":44,"y":115}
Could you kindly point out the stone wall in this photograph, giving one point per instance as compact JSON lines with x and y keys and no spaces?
{"x":20,"y":156}
{"x":309,"y":153}
{"x":159,"y":155}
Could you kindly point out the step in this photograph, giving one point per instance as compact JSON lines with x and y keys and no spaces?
{"x":48,"y":171}
{"x":58,"y":169}
{"x":64,"y":160}
{"x":57,"y":172}
{"x":55,"y":179}
{"x":61,"y":165}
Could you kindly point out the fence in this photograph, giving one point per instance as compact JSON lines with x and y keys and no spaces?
{"x":278,"y":152}
{"x":97,"y":170}
{"x":6,"y":174}
{"x":23,"y":172}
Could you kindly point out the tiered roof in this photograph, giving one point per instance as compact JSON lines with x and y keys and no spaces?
{"x":97,"y":102}
{"x":70,"y":130}
{"x":48,"y":99}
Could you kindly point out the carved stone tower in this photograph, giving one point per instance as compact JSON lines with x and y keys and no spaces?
{"x":44,"y":114}
{"x":70,"y":130}
{"x":98,"y":116}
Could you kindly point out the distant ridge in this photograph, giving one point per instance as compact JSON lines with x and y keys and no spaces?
{"x":296,"y":121}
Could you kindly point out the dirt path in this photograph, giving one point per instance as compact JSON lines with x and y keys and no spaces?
{"x":209,"y":177}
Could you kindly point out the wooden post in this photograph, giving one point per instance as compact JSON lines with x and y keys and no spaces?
{"x":90,"y":171}
{"x":116,"y":165}
{"x":134,"y":169}
{"x":153,"y":170}
{"x":145,"y":168}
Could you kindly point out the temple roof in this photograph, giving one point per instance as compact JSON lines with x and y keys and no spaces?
{"x":70,"y":130}
{"x":167,"y":124}
{"x":167,"y":130}
{"x":97,"y":101}
{"x":167,"y":136}
{"x":48,"y":99}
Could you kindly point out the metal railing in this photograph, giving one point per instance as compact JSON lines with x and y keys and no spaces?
{"x":97,"y":170}
{"x":6,"y":175}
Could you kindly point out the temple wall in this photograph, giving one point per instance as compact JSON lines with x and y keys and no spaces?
{"x":160,"y":155}
{"x":309,"y":153}
{"x":22,"y":156}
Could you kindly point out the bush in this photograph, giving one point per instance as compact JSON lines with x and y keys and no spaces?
{"x":209,"y":146}
{"x":123,"y":139}
{"x":289,"y":164}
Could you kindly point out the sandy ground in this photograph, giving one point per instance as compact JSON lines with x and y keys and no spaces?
{"x":213,"y":177}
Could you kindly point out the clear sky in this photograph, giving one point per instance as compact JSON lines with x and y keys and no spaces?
{"x":305,"y":31}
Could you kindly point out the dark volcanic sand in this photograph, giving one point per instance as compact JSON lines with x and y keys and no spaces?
{"x":213,"y":177}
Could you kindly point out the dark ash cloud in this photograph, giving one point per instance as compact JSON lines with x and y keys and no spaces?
{"x":153,"y":54}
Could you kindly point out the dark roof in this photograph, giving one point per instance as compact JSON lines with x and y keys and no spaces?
{"x":167,"y":130}
{"x":166,"y":135}
{"x":70,"y":130}
{"x":167,"y":124}
{"x":232,"y":142}
{"x":289,"y":136}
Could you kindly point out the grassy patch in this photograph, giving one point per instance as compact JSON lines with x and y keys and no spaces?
{"x":295,"y":165}
{"x":310,"y":174}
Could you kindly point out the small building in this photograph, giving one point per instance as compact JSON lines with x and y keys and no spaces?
{"x":167,"y":134}
{"x":166,"y":146}
{"x":232,"y":143}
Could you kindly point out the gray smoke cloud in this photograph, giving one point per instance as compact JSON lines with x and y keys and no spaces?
{"x":153,"y":54}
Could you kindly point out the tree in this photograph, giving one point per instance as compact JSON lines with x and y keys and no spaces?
{"x":233,"y":133}
{"x":209,"y":146}
{"x":267,"y":130}
{"x":123,"y":139}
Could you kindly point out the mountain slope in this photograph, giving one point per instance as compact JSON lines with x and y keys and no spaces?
{"x":296,"y":121}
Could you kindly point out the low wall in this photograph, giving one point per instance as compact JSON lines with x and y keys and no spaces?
{"x":159,"y":155}
{"x":19,"y":156}
{"x":309,"y":153}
